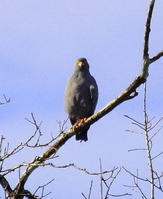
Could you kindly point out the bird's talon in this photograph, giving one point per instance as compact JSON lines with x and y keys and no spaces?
{"x":80,"y":121}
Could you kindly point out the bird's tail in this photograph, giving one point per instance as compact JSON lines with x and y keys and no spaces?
{"x":82,"y":135}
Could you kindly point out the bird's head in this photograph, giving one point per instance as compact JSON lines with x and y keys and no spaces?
{"x":82,"y":64}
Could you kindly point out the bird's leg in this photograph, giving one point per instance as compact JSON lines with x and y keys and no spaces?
{"x":75,"y":125}
{"x":80,"y":121}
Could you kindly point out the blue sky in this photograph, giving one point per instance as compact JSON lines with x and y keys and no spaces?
{"x":40,"y":41}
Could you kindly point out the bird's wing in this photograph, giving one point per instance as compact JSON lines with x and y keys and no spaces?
{"x":94,"y":94}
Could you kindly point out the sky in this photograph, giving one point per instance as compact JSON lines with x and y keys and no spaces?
{"x":39,"y":44}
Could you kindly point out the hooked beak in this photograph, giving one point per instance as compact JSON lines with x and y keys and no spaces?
{"x":79,"y":63}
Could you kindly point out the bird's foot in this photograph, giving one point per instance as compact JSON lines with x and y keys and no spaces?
{"x":79,"y":122}
{"x":74,"y":126}
{"x":82,"y":120}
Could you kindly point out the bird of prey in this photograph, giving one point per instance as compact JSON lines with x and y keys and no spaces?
{"x":81,"y":96}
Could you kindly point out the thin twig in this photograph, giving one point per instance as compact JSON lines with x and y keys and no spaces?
{"x":139,"y":149}
{"x":120,"y":195}
{"x":140,"y":190}
{"x":157,"y":155}
{"x":90,"y":190}
{"x":42,"y":187}
{"x":6,"y":100}
{"x":135,"y":176}
{"x":101,"y":179}
{"x":148,"y":142}
{"x":156,"y":57}
{"x":156,"y":124}
{"x":151,"y":138}
{"x":84,"y":196}
{"x":134,"y":120}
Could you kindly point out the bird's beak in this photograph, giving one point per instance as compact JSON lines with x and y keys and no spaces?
{"x":79,"y":63}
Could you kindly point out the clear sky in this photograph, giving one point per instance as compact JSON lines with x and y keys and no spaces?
{"x":39,"y":44}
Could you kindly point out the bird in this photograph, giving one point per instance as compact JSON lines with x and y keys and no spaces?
{"x":81,"y":95}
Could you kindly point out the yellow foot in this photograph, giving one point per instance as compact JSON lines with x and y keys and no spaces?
{"x":80,"y":121}
{"x":83,"y":120}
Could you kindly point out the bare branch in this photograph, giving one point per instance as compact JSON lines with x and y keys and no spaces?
{"x":38,"y":130}
{"x":139,"y":149}
{"x":157,"y":155}
{"x":156,"y":123}
{"x":81,"y":169}
{"x":140,"y":190}
{"x":135,"y":132}
{"x":84,"y":196}
{"x":90,"y":190}
{"x":6,"y":100}
{"x":146,"y":60}
{"x":134,"y":120}
{"x":42,"y":188}
{"x":110,"y":183}
{"x":158,"y":178}
{"x":101,"y":179}
{"x":7,"y":171}
{"x":142,"y":179}
{"x":147,"y":30}
{"x":155,"y":133}
{"x":13,"y":152}
{"x":27,"y":194}
{"x":62,"y":127}
{"x":120,"y":195}
{"x":6,"y":186}
{"x":136,"y":185}
{"x":135,"y":176}
{"x":148,"y":143}
{"x":156,"y":57}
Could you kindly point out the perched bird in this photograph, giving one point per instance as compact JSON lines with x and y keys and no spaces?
{"x":81,"y":96}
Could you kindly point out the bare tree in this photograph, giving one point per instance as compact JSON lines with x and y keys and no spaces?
{"x":149,"y":133}
{"x":19,"y":191}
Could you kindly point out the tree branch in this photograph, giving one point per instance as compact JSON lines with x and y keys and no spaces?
{"x":146,"y":122}
{"x":147,"y":30}
{"x":156,"y":57}
{"x":6,"y":100}
{"x":6,"y":186}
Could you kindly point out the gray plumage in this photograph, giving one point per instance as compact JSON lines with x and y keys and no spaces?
{"x":81,"y":95}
